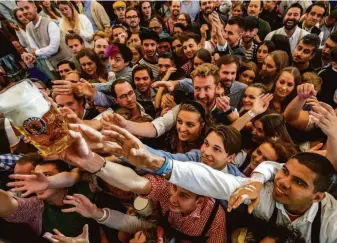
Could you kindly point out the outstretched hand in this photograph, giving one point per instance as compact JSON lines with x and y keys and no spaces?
{"x":325,"y":117}
{"x":83,"y":206}
{"x":29,"y":183}
{"x":169,"y":85}
{"x":261,"y":103}
{"x":82,"y":238}
{"x":251,"y":191}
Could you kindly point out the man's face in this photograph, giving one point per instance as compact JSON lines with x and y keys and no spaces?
{"x":206,"y":7}
{"x":64,"y":69}
{"x":327,"y":49}
{"x":291,"y":19}
{"x":254,"y":8}
{"x":155,"y":26}
{"x":70,"y":102}
{"x":233,"y":34}
{"x":117,"y":62}
{"x":190,"y":47}
{"x":182,"y":201}
{"x":314,"y":16}
{"x":76,"y":46}
{"x":135,"y":40}
{"x":132,"y":18}
{"x":269,"y":5}
{"x":204,"y":90}
{"x":248,"y":35}
{"x":303,"y":53}
{"x":164,"y":46}
{"x":294,"y":185}
{"x":126,"y":96}
{"x":24,"y":169}
{"x":48,"y":170}
{"x":175,"y":8}
{"x":101,"y":45}
{"x":163,"y":65}
{"x":29,"y":9}
{"x":177,"y":30}
{"x":149,"y":47}
{"x":117,"y":32}
{"x":213,"y":152}
{"x":265,"y":152}
{"x":120,"y":13}
{"x":142,"y":81}
{"x":227,"y":74}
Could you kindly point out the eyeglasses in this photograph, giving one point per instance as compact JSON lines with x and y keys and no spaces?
{"x":125,"y":96}
{"x":132,"y":17}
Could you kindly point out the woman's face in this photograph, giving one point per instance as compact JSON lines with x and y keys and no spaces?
{"x":197,"y":62}
{"x":66,"y":10}
{"x":258,"y":132}
{"x":284,"y":85}
{"x":135,"y":55}
{"x":146,"y":9}
{"x":247,"y":77}
{"x":177,"y":47}
{"x":46,"y":3}
{"x":88,"y":65}
{"x":22,"y":19}
{"x":269,"y":67}
{"x":237,"y":11}
{"x":182,"y":19}
{"x":250,"y":96}
{"x":188,"y":126}
{"x":262,"y":53}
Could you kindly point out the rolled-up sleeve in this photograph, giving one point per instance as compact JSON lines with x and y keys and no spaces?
{"x":54,"y":33}
{"x":166,"y":122}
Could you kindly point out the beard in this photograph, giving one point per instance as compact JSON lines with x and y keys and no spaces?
{"x":208,"y":11}
{"x":291,"y":26}
{"x":247,"y":39}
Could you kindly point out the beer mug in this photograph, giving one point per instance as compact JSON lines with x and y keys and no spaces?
{"x":24,"y":105}
{"x":142,"y":206}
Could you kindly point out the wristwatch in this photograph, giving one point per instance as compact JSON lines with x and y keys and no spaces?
{"x":251,"y":114}
{"x":229,"y":111}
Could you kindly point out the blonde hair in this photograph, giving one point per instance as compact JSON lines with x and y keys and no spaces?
{"x":206,"y":70}
{"x":312,"y":78}
{"x":70,"y":24}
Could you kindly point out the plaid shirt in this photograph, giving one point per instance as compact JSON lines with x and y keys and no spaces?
{"x":8,"y":161}
{"x":194,"y":223}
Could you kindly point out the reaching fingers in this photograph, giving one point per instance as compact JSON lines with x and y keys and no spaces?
{"x":113,"y":136}
{"x":328,"y":108}
{"x":16,"y":184}
{"x":253,"y":205}
{"x":22,"y":177}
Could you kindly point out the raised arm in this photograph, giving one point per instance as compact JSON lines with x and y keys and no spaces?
{"x":8,"y":204}
{"x":293,"y":114}
{"x":325,"y":117}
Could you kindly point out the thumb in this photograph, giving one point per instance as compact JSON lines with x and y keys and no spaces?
{"x":252,"y":206}
{"x":85,"y":231}
{"x":317,"y":147}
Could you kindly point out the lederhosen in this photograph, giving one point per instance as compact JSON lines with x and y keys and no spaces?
{"x":316,"y":224}
{"x":179,"y":236}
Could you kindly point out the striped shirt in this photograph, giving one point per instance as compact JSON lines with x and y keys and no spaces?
{"x":152,"y":65}
{"x":251,"y":52}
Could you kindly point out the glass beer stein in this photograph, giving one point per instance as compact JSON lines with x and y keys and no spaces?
{"x":24,"y":105}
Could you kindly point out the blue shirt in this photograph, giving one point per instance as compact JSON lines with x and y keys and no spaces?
{"x":87,"y":12}
{"x":193,"y":9}
{"x":8,"y":161}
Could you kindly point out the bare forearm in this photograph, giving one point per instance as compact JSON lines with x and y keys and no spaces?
{"x":331,"y":152}
{"x":124,"y":178}
{"x":232,"y":117}
{"x":241,"y":122}
{"x":144,"y":129}
{"x":95,"y":124}
{"x":8,"y":204}
{"x":292,"y":112}
{"x":64,"y":179}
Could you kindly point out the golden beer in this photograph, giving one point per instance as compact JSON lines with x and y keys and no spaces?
{"x":34,"y":117}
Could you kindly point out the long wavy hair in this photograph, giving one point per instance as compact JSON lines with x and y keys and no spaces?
{"x":70,"y":24}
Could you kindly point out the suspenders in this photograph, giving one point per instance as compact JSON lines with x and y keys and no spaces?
{"x":316,"y":224}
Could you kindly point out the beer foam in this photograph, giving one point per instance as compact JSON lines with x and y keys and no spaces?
{"x":140,"y":203}
{"x":22,"y":101}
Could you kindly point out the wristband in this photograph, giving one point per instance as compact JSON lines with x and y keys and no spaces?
{"x":104,"y":215}
{"x":251,"y":114}
{"x":103,"y":166}
{"x":163,"y":168}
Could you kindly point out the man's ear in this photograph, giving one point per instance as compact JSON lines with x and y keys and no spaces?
{"x":231,"y":158}
{"x":319,"y":196}
{"x":200,"y":200}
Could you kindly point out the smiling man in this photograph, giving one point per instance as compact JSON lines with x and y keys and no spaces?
{"x":291,"y":29}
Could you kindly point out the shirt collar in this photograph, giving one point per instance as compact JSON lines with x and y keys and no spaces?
{"x":38,"y":22}
{"x":309,"y":215}
{"x":225,"y":170}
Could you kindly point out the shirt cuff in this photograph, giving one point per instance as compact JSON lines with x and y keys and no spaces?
{"x":222,"y":48}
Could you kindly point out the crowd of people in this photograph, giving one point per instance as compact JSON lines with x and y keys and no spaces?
{"x":191,"y":121}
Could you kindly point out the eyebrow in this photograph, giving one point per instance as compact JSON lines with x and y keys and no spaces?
{"x":296,"y":177}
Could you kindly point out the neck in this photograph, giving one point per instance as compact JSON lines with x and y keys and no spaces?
{"x":235,"y":44}
{"x":290,"y":32}
{"x":247,"y":45}
{"x":297,"y":209}
{"x":301,"y":66}
{"x":57,"y":199}
{"x":278,"y":99}
{"x":135,"y":112}
{"x":151,"y":59}
{"x":174,"y":18}
{"x":188,"y":212}
{"x":305,"y":25}
{"x":36,"y":19}
{"x":206,"y":18}
{"x":147,"y":94}
{"x":135,"y":30}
